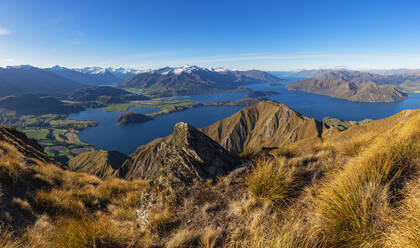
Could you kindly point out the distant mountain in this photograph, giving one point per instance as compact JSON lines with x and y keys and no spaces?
{"x":28,"y":79}
{"x":353,"y":86}
{"x":104,"y":94}
{"x":189,"y":80}
{"x":266,"y":124}
{"x":394,"y":71}
{"x":95,"y":75}
{"x":309,"y":73}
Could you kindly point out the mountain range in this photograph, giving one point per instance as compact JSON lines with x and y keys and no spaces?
{"x":188,"y":80}
{"x":28,"y":79}
{"x":354,"y":86}
{"x":59,"y":81}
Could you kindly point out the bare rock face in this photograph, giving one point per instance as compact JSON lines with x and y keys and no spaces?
{"x":182,"y":157}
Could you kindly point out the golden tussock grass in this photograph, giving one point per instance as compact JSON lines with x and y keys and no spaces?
{"x":352,"y":209}
{"x":184,"y":238}
{"x":88,"y":233}
{"x":404,"y":229}
{"x":7,"y":238}
{"x":273,"y":180}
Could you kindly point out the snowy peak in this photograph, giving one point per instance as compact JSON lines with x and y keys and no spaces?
{"x":178,"y":70}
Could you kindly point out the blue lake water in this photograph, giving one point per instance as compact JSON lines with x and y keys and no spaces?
{"x":110,"y":136}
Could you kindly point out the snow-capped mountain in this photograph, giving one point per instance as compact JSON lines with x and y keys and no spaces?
{"x":187,"y":80}
{"x":95,"y":75}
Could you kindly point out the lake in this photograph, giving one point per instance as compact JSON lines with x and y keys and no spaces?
{"x":111,"y":136}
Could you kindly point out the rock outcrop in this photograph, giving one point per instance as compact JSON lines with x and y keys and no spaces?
{"x":185,"y":156}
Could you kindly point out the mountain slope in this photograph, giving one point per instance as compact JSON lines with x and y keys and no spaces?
{"x":193,"y":80}
{"x":28,"y":79}
{"x":28,"y":147}
{"x":353,"y":86}
{"x":102,"y":164}
{"x":266,"y":124}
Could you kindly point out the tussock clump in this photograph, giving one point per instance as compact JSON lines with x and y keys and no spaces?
{"x":355,"y":146}
{"x":7,"y":238}
{"x":274,"y":180}
{"x":162,"y":222}
{"x":184,"y":238}
{"x":404,"y":230}
{"x":353,"y":207}
{"x":84,"y":233}
{"x":211,"y":237}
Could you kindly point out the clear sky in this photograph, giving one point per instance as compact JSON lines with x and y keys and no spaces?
{"x":270,"y":35}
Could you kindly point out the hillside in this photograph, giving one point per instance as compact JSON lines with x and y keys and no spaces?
{"x":104,"y":95}
{"x":103,"y":164}
{"x":267,"y":124}
{"x":36,"y":104}
{"x":354,"y":188}
{"x":28,"y":79}
{"x":193,"y":80}
{"x":353,"y":86}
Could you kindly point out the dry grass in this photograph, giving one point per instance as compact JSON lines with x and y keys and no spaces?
{"x":355,"y":146}
{"x":274,"y":180}
{"x":84,"y":233}
{"x":404,"y":230}
{"x":162,"y":222}
{"x":352,"y":208}
{"x":7,"y":239}
{"x":211,"y":237}
{"x":183,"y":239}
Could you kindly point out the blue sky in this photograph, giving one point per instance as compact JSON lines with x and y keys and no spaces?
{"x":269,"y":35}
